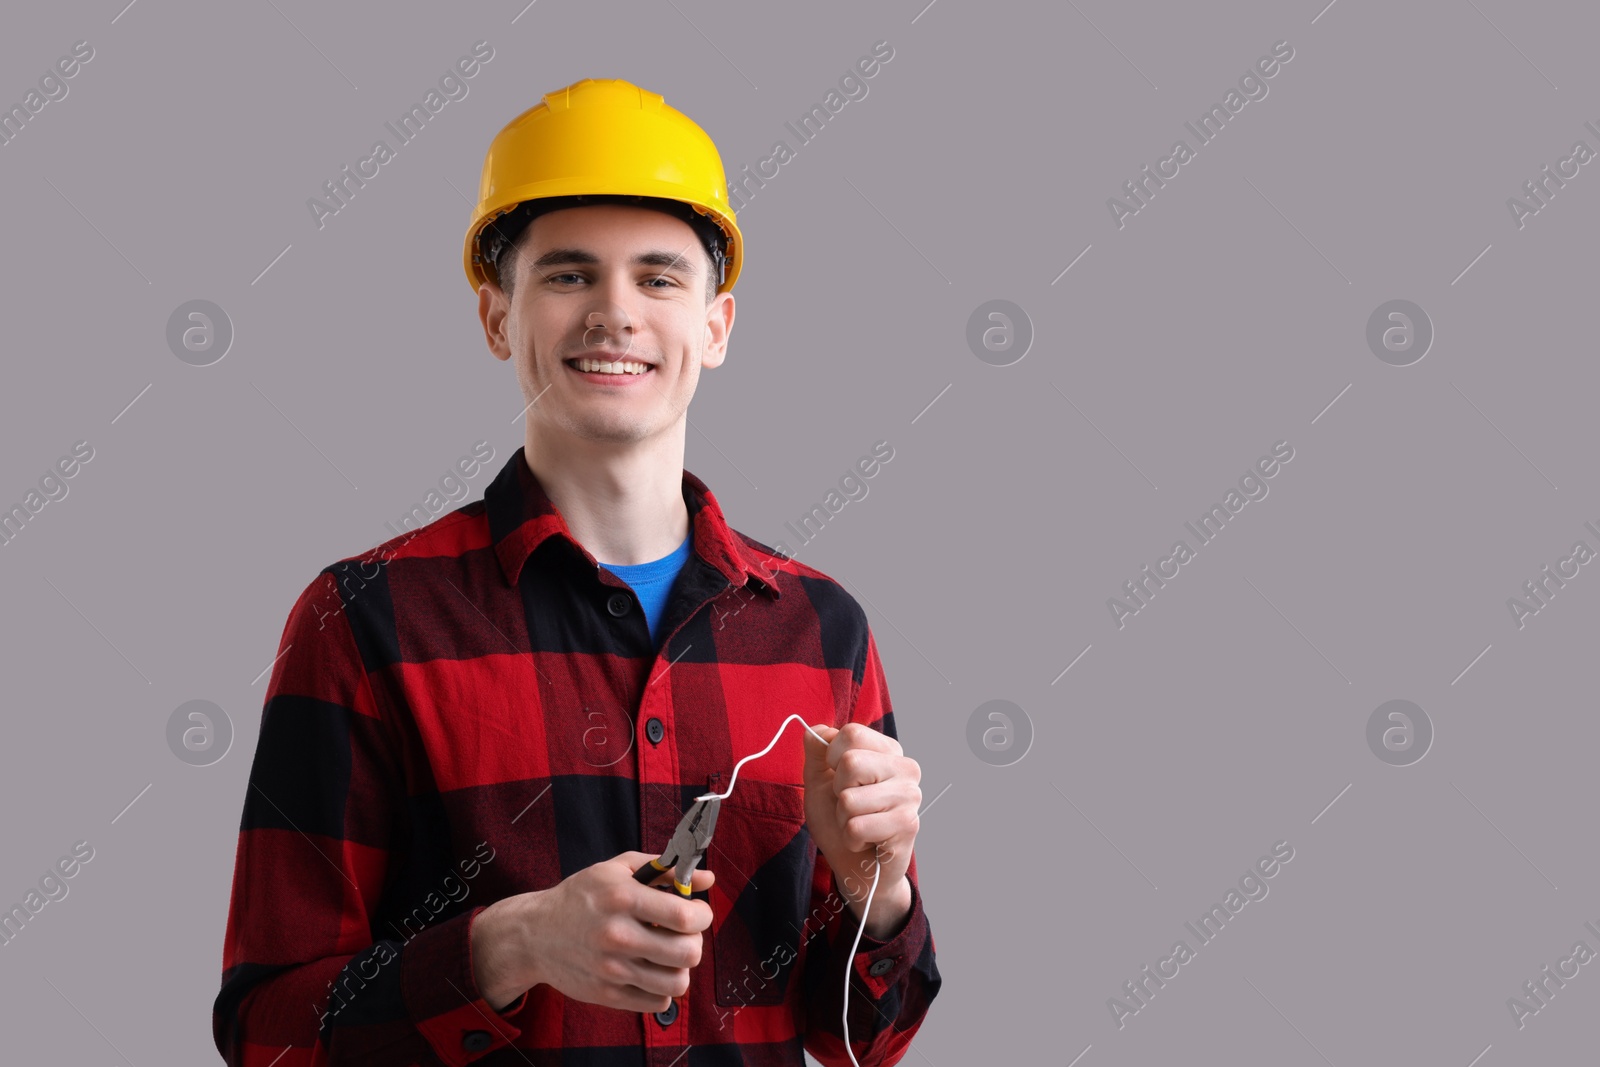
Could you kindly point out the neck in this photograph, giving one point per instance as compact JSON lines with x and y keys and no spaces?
{"x":623,"y":503}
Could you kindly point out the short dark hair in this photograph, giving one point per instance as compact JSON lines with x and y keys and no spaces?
{"x":500,"y":239}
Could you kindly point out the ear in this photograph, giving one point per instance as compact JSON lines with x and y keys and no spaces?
{"x":494,"y":311}
{"x":719,"y":324}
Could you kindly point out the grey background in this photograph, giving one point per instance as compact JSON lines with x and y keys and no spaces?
{"x":1224,"y":317}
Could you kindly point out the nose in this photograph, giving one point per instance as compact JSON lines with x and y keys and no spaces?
{"x":606,"y":323}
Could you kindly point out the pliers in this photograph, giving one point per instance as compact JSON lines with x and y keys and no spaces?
{"x":687,"y":848}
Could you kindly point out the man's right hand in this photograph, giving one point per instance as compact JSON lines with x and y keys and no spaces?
{"x":598,"y":936}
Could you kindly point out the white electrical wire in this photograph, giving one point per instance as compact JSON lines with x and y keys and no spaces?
{"x":865,"y":908}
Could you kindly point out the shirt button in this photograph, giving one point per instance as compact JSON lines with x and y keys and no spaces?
{"x":476,"y":1040}
{"x":618,"y":604}
{"x":666,"y":1018}
{"x":655,"y":731}
{"x":883,"y":966}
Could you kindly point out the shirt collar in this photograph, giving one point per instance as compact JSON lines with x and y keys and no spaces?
{"x":521,"y":517}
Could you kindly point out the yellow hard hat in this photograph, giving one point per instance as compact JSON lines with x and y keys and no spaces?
{"x":600,"y":136}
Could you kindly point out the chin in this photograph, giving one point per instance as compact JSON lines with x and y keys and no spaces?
{"x":613,"y":432}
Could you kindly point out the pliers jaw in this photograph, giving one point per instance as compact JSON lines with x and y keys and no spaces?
{"x":687,"y":848}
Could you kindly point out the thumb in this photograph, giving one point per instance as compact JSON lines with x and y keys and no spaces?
{"x":633,"y":860}
{"x":817,"y":751}
{"x":699,"y":881}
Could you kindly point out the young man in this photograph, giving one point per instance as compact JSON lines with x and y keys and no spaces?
{"x":476,"y":732}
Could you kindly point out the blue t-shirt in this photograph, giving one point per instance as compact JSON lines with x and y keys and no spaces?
{"x":652,"y":582}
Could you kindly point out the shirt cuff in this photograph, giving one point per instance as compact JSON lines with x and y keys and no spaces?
{"x":442,"y":997}
{"x":880,"y":965}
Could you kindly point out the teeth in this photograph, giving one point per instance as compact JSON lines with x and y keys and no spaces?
{"x":621,"y":366}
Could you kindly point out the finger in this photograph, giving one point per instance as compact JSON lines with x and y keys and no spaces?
{"x":817,"y":752}
{"x":660,"y":948}
{"x":673,"y":911}
{"x":633,"y":860}
{"x":657,"y":979}
{"x":860,"y":735}
{"x":866,"y":798}
{"x":632,"y":998}
{"x":699,"y":880}
{"x":865,"y":766}
{"x":863,"y":831}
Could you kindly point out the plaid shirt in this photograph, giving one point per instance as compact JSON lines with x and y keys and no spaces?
{"x":475,"y":710}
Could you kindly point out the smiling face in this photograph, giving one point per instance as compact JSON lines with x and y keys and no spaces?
{"x":598,"y":290}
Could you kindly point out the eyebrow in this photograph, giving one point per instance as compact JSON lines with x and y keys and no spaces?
{"x":558,"y":257}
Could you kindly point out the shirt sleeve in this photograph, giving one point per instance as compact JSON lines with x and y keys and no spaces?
{"x":304,"y":979}
{"x":892,"y":982}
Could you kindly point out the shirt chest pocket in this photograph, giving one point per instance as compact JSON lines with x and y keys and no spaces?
{"x":764,"y":859}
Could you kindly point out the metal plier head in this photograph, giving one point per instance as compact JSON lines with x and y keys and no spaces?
{"x":687,"y":848}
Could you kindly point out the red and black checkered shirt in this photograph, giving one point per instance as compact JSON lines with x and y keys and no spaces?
{"x":474,"y":710}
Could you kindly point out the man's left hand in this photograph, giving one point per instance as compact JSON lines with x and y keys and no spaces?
{"x":862,"y":791}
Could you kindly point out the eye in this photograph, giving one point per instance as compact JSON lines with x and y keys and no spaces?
{"x":663,"y":278}
{"x":565,"y":274}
